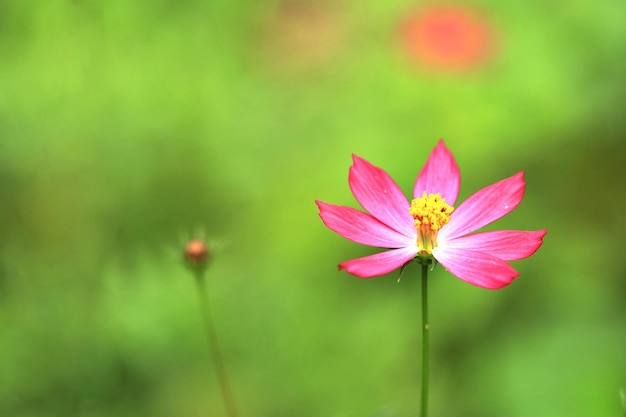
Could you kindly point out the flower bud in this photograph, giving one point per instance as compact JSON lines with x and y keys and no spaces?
{"x":197,"y":254}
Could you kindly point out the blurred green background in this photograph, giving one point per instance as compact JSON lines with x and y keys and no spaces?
{"x":128,"y":127}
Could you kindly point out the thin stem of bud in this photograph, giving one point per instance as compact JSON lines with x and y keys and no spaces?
{"x":216,"y":353}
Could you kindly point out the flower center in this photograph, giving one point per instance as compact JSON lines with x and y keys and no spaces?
{"x":430,"y":214}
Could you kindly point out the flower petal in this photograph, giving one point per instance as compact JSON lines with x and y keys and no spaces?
{"x":377,"y":192}
{"x":380,"y":263}
{"x":439,"y":175}
{"x":508,"y":245}
{"x":476,"y":268}
{"x":361,"y":227}
{"x":485,"y":206}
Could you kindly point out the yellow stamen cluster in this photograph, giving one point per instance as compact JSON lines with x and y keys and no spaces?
{"x":430,"y":214}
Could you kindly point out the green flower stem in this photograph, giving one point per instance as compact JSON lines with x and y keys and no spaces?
{"x":425,"y":340}
{"x":227,"y":394}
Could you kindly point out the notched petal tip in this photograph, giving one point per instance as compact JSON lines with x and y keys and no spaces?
{"x":534,"y":243}
{"x":520,"y":178}
{"x":320,"y":207}
{"x":498,"y":285}
{"x":357,"y":160}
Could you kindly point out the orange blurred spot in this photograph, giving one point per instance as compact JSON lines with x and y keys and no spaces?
{"x":448,"y":36}
{"x":196,"y":251}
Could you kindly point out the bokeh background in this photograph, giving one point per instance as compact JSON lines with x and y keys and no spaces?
{"x":129,"y":127}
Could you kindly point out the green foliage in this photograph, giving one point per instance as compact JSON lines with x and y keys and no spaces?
{"x":125,"y":125}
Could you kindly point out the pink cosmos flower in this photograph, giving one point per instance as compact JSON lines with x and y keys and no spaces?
{"x":430,"y":225}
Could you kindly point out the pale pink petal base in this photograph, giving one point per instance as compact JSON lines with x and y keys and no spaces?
{"x":361,"y":227}
{"x":379,"y":263}
{"x":508,"y":245}
{"x":476,"y":268}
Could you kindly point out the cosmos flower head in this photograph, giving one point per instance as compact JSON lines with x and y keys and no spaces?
{"x":431,"y":227}
{"x":448,"y":36}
